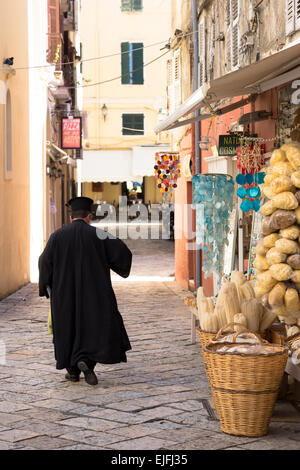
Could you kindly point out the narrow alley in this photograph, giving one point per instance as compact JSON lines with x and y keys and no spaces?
{"x":160,"y":399}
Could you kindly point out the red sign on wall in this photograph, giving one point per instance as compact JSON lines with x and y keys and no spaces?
{"x":71,"y":133}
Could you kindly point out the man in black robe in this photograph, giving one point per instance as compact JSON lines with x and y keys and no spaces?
{"x":75,"y":269}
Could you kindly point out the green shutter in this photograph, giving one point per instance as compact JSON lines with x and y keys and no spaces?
{"x":139,"y":123}
{"x":138,"y":63}
{"x":137,"y":5}
{"x":131,"y":5}
{"x":125,"y":62}
{"x":126,"y":5}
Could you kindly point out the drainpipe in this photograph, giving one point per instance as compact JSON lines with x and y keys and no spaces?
{"x":197,"y":128}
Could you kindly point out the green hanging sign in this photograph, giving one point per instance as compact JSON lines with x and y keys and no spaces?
{"x":228,"y":144}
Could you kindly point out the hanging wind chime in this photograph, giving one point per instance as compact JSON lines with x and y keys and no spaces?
{"x":250,"y":160}
{"x":166,"y":172}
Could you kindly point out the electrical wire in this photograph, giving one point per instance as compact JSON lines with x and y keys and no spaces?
{"x":117,"y":78}
{"x":95,"y":58}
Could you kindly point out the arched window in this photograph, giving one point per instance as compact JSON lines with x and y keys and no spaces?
{"x":8,"y":138}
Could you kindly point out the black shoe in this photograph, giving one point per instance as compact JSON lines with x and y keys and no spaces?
{"x":72,"y":377}
{"x":89,"y":375}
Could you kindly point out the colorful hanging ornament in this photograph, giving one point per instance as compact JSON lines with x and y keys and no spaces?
{"x":250,"y":160}
{"x":249,"y":190}
{"x":167,"y":171}
{"x":250,"y":157}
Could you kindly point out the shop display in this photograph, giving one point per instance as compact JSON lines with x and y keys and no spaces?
{"x":278,"y":271}
{"x":235,"y":303}
{"x":213,"y":202}
{"x":167,"y":171}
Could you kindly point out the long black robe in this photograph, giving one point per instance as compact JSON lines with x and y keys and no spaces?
{"x":86,"y":322}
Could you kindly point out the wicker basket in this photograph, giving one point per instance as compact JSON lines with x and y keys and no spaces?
{"x":205,"y":338}
{"x":289,"y":341}
{"x":277,"y":333}
{"x":244,"y":414}
{"x":245,"y":386}
{"x":208,"y":337}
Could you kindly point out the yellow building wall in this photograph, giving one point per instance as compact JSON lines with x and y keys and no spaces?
{"x":103,"y":27}
{"x":151,"y":191}
{"x":110,"y":193}
{"x":14,"y":192}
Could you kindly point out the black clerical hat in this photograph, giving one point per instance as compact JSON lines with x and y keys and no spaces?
{"x":80,"y":204}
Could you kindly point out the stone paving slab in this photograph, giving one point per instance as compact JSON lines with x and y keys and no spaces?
{"x":159,"y":399}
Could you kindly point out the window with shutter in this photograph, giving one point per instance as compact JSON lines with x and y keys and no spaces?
{"x":297,"y":14}
{"x":125,"y":63}
{"x":138,"y":63}
{"x":170,"y":86}
{"x":53,"y":29}
{"x":177,"y":78}
{"x":131,"y":5}
{"x":132,"y":63}
{"x":290,"y":16}
{"x":233,"y":34}
{"x":132,"y":124}
{"x":202,"y":51}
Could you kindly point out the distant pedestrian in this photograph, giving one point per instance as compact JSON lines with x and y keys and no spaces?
{"x":75,"y":265}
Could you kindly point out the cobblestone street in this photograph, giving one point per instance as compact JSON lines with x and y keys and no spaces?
{"x":160,"y":399}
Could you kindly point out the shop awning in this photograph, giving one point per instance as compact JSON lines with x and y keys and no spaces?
{"x":119,"y":165}
{"x":258,"y":77}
